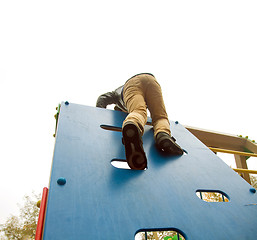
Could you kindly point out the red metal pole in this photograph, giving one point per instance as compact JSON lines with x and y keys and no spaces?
{"x":41,"y":216}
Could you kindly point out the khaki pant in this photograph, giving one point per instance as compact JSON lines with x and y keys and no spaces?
{"x":142,"y":92}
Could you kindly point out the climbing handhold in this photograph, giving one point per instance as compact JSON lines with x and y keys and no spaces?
{"x":61,"y":181}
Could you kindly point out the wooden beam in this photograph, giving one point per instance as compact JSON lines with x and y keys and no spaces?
{"x":241,"y":163}
{"x":218,"y":140}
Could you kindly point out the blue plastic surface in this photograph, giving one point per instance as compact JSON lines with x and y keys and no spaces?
{"x":100,"y":201}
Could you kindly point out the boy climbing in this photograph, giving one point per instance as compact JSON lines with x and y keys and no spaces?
{"x":140,"y":92}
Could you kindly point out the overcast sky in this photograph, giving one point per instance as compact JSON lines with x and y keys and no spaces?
{"x":203,"y":53}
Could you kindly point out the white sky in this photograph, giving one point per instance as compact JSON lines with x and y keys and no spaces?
{"x":203,"y":53}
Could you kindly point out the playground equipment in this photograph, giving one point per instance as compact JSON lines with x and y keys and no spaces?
{"x":241,"y":148}
{"x":90,"y":198}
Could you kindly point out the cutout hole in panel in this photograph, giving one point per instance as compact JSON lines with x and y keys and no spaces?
{"x":212,"y":196}
{"x":121,"y":164}
{"x":147,"y":234}
{"x":111,"y":128}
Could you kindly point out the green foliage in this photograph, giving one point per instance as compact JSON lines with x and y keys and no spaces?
{"x":246,"y":137}
{"x":23,"y":226}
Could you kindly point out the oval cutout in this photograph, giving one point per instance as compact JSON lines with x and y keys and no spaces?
{"x":111,"y":128}
{"x":167,"y":234}
{"x":212,"y":196}
{"x":121,"y":164}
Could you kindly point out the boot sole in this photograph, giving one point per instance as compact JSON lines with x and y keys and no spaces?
{"x":135,"y":154}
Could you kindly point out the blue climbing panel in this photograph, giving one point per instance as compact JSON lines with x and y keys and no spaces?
{"x":99,"y":201}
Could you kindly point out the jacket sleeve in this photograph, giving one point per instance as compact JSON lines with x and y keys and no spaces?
{"x":106,"y":99}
